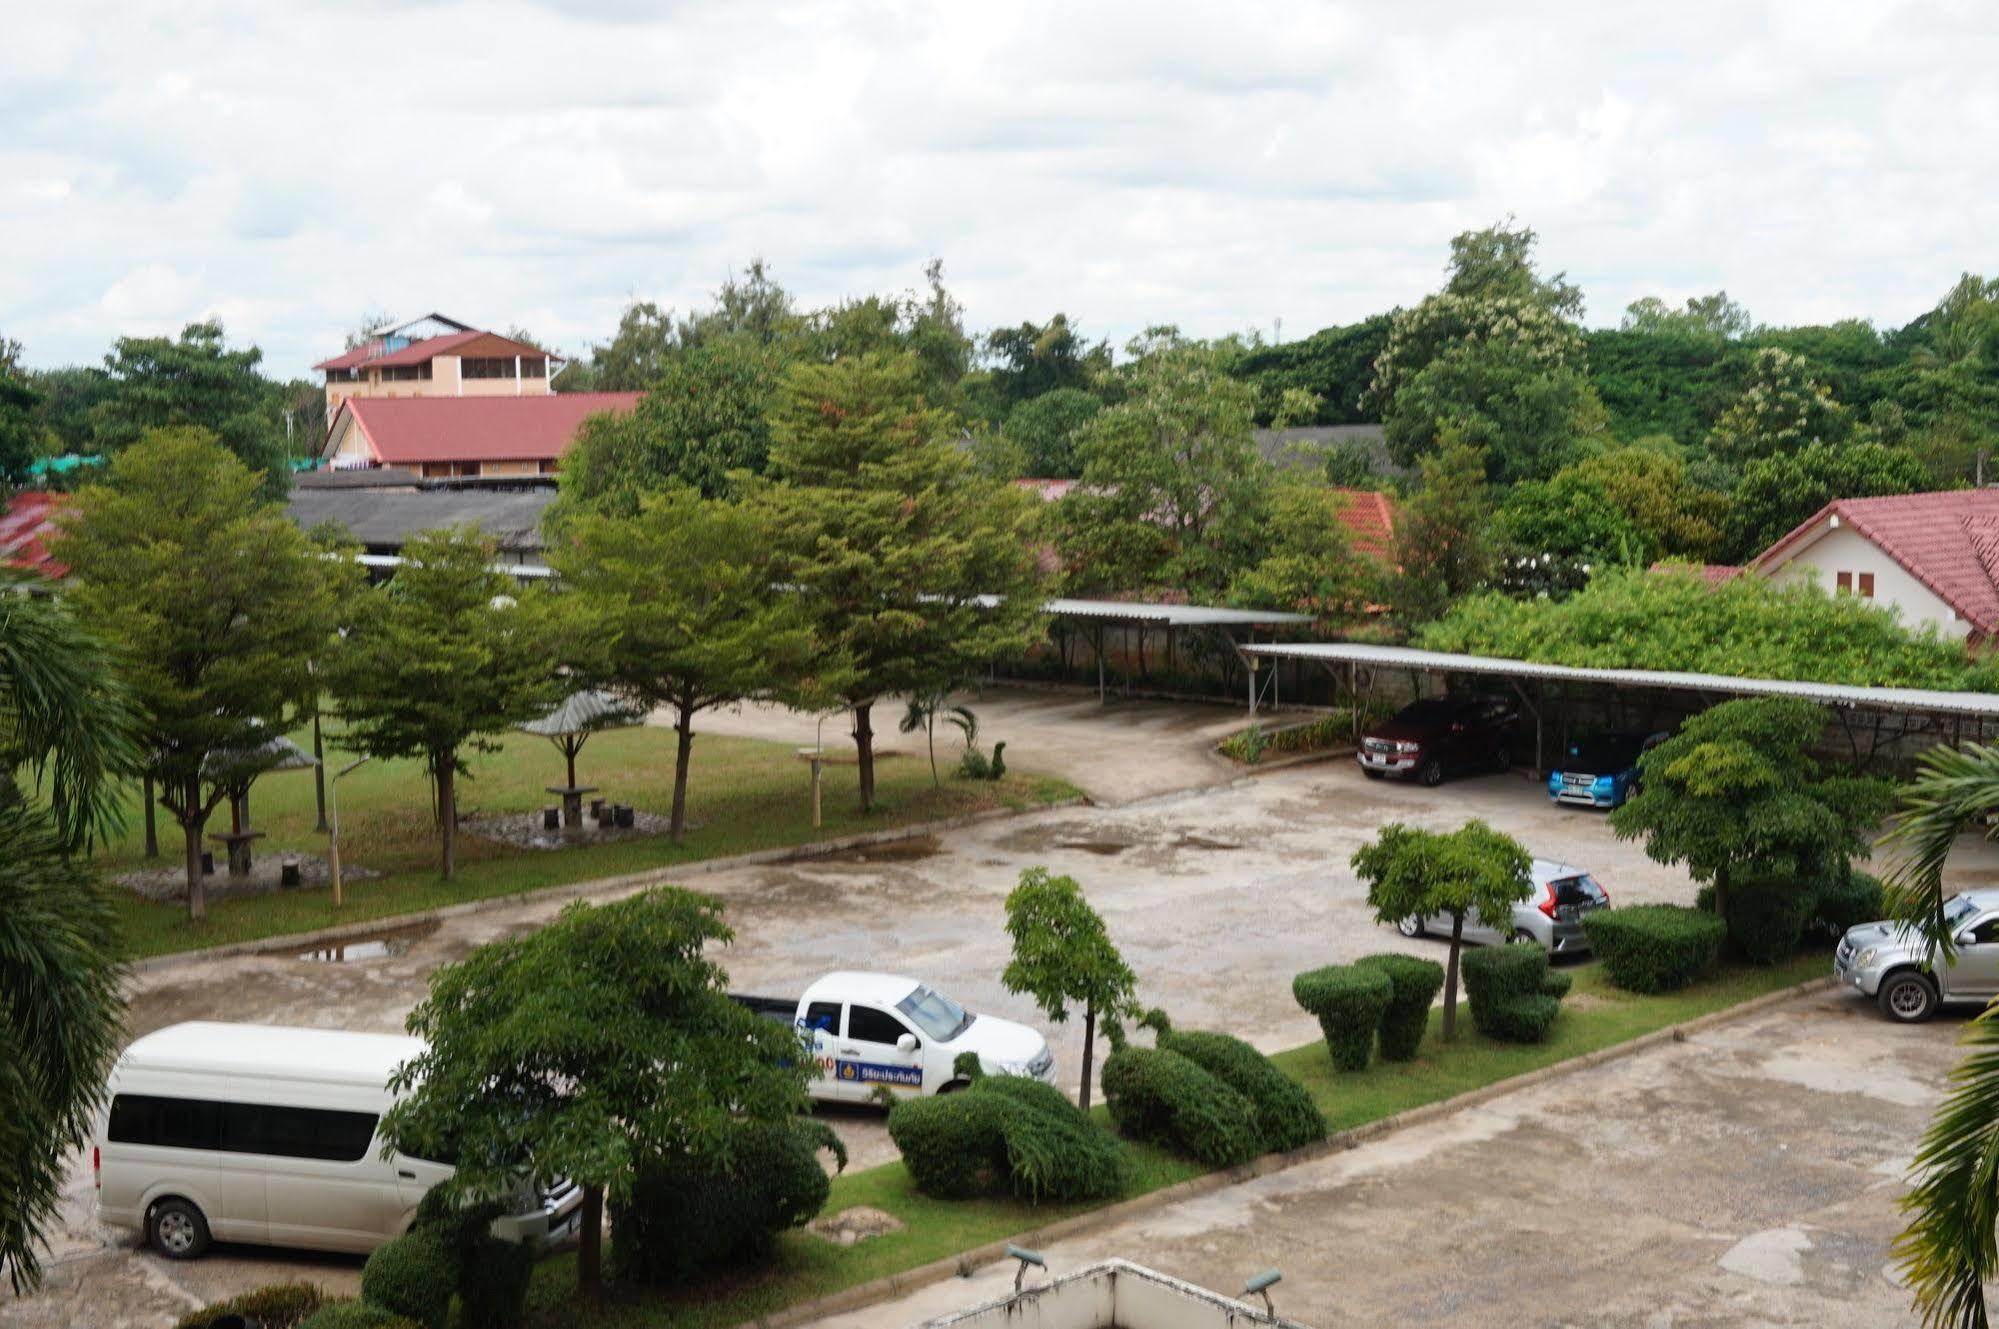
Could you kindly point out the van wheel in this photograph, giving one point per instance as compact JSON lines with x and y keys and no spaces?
{"x":176,"y":1229}
{"x":1411,"y":926}
{"x":1907,"y":998}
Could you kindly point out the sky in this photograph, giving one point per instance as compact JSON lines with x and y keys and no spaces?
{"x":294,"y":168}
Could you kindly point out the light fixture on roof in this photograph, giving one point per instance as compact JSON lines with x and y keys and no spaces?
{"x":1026,"y":1257}
{"x":1261,"y":1285}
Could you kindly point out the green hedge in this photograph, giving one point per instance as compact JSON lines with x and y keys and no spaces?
{"x":1414,"y":983}
{"x":686,"y":1215}
{"x":412,"y":1276}
{"x":1251,"y":745}
{"x":1349,"y":1002}
{"x":1652,"y":948}
{"x":279,"y":1306}
{"x":356,"y":1315}
{"x":1161,"y":1096}
{"x":491,"y":1275}
{"x":1286,"y":1116}
{"x":1514,"y":997}
{"x":1005,"y":1135}
{"x":1844,"y":903}
{"x":1767,"y":917}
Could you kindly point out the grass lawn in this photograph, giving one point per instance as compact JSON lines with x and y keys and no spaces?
{"x":1595,"y":1015}
{"x":743,"y":794}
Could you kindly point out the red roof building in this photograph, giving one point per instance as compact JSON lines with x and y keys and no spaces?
{"x":464,"y":436}
{"x":26,"y":527}
{"x":1933,"y":557}
{"x":1370,"y":521}
{"x":435,"y":356}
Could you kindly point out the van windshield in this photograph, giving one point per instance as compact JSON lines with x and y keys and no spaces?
{"x":935,"y":1014}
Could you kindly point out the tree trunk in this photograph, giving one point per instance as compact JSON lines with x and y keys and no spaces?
{"x":590,"y":1246}
{"x":683,"y":728}
{"x":152,"y":821}
{"x":1451,"y":977}
{"x":864,"y":745}
{"x":1089,"y":1049}
{"x":318,"y":769}
{"x":569,"y":759}
{"x":197,"y":889}
{"x":447,"y":809}
{"x":930,"y":737}
{"x":1721,"y":894}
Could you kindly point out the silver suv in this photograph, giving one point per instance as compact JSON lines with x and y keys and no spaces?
{"x":1551,"y":918}
{"x":1885,"y":960}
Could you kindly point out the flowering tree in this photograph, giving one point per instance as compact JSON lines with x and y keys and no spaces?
{"x":1780,"y":410}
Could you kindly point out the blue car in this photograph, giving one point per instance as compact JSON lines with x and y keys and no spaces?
{"x":1600,"y":772}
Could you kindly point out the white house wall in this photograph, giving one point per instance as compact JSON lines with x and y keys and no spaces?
{"x":1845,"y":550}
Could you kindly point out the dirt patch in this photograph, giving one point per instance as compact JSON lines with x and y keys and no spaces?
{"x":852,"y":1226}
{"x":169,"y":884}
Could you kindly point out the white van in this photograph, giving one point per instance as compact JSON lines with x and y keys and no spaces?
{"x":256,"y":1133}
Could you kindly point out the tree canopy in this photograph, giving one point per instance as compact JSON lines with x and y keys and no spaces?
{"x":195,"y":381}
{"x":1063,"y":957}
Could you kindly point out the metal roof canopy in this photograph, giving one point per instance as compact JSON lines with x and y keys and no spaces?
{"x":1173,"y":616}
{"x":1980,"y":705}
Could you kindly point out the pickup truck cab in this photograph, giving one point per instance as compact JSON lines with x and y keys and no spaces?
{"x":883,"y":1029}
{"x":1885,"y":960}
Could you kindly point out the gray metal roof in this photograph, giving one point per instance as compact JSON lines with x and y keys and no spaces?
{"x":584,"y":713}
{"x":386,"y":519}
{"x":1979,"y":704}
{"x":1172,"y":616}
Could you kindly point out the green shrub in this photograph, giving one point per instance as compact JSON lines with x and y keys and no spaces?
{"x":954,"y":1145}
{"x":1325,"y":732}
{"x":1557,"y":983}
{"x":413,"y":1276}
{"x":1767,"y":917}
{"x":493,"y":1278}
{"x":1169,"y":1100}
{"x":279,"y":1306}
{"x":1246,"y":746}
{"x":1286,"y":1116}
{"x":1349,"y":1001}
{"x":1653,"y":947}
{"x":1005,"y":1135}
{"x":1511,"y":995}
{"x":355,"y":1315}
{"x":1844,"y":903}
{"x":684,"y":1214}
{"x":1414,"y":983}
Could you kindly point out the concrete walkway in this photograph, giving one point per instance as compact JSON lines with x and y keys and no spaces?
{"x":1747,"y":1176}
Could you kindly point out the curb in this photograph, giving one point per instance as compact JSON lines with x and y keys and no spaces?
{"x":579,"y":890}
{"x":963,"y":1264}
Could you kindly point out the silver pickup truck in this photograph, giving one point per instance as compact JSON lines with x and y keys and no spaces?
{"x":1885,"y":960}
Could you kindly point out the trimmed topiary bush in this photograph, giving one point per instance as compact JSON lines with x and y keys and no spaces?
{"x":1414,"y":983}
{"x":1767,"y":917}
{"x":1511,"y":993}
{"x":493,"y":1278}
{"x":1005,"y":1135}
{"x":412,"y":1275}
{"x":279,"y":1306}
{"x":1845,"y":903}
{"x":685,"y":1215}
{"x":356,"y":1315}
{"x":1349,"y":1002}
{"x":1286,"y":1116}
{"x":1163,"y":1097}
{"x":1654,"y":947}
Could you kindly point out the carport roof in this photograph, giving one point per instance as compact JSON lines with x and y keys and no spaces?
{"x":1984,"y":705}
{"x":1172,"y":616}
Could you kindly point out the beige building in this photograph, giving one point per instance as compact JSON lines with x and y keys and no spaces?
{"x":1933,"y":557}
{"x":470,"y":436}
{"x":435,"y":356}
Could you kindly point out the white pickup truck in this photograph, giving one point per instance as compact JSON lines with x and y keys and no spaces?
{"x":870,"y":1029}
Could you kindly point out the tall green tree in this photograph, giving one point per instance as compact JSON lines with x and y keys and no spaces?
{"x":1443,"y":539}
{"x":1632,"y":504}
{"x":1780,"y":409}
{"x":1310,"y":566}
{"x":1047,"y":429}
{"x":1335,"y":365}
{"x":1738,"y":791}
{"x":214,"y":603}
{"x":705,"y":416}
{"x":1064,"y":957}
{"x":196,"y":381}
{"x":449,"y":653}
{"x":638,"y":352}
{"x":1173,"y":491}
{"x":1779,"y":491}
{"x":589,"y":1049}
{"x":1703,"y":315}
{"x":1497,"y":263}
{"x":682,"y":602}
{"x":1472,"y":872}
{"x":20,"y":426}
{"x":1036,"y":358}
{"x":910,"y":569}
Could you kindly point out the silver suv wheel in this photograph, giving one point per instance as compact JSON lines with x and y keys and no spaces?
{"x":1907,"y":998}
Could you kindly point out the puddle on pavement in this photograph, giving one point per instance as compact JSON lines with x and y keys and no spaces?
{"x":1203,"y":842}
{"x":912,"y":850}
{"x":1104,"y":848}
{"x":373,"y":946}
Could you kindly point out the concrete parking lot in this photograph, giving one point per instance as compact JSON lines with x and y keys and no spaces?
{"x":1217,"y":895}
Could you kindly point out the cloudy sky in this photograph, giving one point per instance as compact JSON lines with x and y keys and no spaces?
{"x":292,"y":167}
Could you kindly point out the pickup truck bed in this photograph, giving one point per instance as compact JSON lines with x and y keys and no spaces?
{"x":781,"y":1009}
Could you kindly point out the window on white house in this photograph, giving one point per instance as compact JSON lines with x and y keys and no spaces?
{"x":1842,"y":582}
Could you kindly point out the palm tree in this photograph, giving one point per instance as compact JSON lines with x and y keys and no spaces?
{"x":64,"y":720}
{"x":1951,"y":1247}
{"x":925,"y":709}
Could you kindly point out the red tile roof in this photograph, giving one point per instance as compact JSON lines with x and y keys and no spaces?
{"x":1714,"y":574}
{"x":408,"y":431}
{"x":1948,"y":541}
{"x":1370,"y":521}
{"x":26,"y":525}
{"x":417,"y":352}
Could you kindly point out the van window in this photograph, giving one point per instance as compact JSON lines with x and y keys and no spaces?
{"x":240,"y":1128}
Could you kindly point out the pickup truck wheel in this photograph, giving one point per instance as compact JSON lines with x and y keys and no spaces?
{"x":1432,"y":773}
{"x":176,"y":1229}
{"x":1907,"y":998}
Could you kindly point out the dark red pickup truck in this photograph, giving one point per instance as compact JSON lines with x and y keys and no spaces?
{"x":1439,"y":736}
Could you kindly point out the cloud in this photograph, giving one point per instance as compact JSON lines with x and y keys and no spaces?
{"x":542,"y":161}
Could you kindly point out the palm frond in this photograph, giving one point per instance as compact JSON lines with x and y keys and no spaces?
{"x":1949,"y":1250}
{"x":1953,"y":789}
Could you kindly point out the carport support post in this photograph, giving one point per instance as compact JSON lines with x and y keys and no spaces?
{"x":1540,"y":771}
{"x":1097,"y":644}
